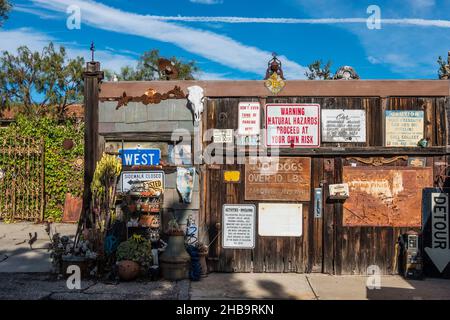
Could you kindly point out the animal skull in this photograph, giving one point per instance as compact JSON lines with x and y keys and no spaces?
{"x":195,"y":97}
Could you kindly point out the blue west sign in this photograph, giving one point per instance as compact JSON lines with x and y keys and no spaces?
{"x":140,"y":157}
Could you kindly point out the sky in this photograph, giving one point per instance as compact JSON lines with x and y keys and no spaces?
{"x":234,"y":39}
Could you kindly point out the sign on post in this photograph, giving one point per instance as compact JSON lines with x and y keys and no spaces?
{"x":293,"y":125}
{"x":238,"y":226}
{"x":435,"y":230}
{"x":140,"y":157}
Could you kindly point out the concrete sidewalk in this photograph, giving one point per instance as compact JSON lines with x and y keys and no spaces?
{"x":15,"y":252}
{"x":315,"y":287}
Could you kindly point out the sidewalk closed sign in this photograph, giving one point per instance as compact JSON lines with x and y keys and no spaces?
{"x":436,"y":231}
{"x":140,"y":157}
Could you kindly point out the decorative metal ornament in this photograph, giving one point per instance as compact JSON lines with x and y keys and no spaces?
{"x":346,"y":73}
{"x":377,"y":161}
{"x":275,"y":83}
{"x":274,"y":79}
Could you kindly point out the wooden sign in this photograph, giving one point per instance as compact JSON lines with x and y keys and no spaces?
{"x":385,"y":196}
{"x":278,"y":179}
{"x":403,"y":128}
{"x":293,"y":125}
{"x":343,"y":125}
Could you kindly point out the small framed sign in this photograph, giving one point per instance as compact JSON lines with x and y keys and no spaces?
{"x":238,"y":226}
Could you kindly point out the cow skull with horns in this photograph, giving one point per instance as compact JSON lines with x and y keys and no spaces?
{"x":196,"y":98}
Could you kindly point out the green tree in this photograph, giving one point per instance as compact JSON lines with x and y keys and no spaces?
{"x":319,"y":72}
{"x":40,"y":84}
{"x":444,"y":68}
{"x":5,"y":7}
{"x":148,"y":69}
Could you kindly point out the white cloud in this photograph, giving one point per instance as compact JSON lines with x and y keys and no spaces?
{"x":213,"y":46}
{"x":207,"y":1}
{"x":33,"y":11}
{"x":36,"y":41}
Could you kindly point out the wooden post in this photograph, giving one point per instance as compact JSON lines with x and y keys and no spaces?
{"x":92,"y":78}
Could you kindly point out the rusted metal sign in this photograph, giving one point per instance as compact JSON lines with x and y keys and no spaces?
{"x":385,"y":196}
{"x":278,"y":179}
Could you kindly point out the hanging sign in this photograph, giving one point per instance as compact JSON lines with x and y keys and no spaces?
{"x":249,"y":121}
{"x":343,"y":125}
{"x":293,"y":125}
{"x":435,"y":231}
{"x":223,"y":135}
{"x":141,"y":181}
{"x":403,"y":128}
{"x":140,"y":157}
{"x":278,"y":179}
{"x":238,"y":222}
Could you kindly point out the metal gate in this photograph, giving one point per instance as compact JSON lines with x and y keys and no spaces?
{"x":21,"y":178}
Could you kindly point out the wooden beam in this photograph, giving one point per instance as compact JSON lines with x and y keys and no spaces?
{"x":309,"y":88}
{"x":92,"y":78}
{"x":356,"y":151}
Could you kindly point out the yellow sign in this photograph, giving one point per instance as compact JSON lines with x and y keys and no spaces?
{"x":232,"y":176}
{"x":274,"y":83}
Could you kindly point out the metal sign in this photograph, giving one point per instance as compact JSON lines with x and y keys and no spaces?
{"x":223,"y":135}
{"x":385,"y":196}
{"x":231,"y":176}
{"x":293,"y":125}
{"x":140,"y":157}
{"x":134,"y":180}
{"x":249,"y":118}
{"x":278,"y":179}
{"x":280,"y":219}
{"x":318,"y":203}
{"x":343,"y":125}
{"x":238,"y":223}
{"x":435,"y":230}
{"x":250,"y":141}
{"x":403,"y":128}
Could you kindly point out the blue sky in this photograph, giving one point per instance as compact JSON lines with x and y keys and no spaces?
{"x":226,"y":47}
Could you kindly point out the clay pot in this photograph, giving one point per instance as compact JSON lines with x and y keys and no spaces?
{"x":128,"y":270}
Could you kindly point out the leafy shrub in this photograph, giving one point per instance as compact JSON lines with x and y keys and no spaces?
{"x":62,"y":175}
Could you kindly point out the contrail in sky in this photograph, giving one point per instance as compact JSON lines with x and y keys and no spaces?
{"x":405,"y":21}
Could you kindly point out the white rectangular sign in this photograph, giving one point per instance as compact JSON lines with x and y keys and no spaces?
{"x":340,"y":125}
{"x":130,"y":178}
{"x":223,"y":136}
{"x":238,"y":226}
{"x":249,"y":118}
{"x":293,"y":125}
{"x":280,"y":219}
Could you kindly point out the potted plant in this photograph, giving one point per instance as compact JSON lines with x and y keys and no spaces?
{"x":133,"y":255}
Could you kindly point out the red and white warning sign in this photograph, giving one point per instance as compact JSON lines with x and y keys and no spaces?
{"x":249,"y":124}
{"x":293,"y":125}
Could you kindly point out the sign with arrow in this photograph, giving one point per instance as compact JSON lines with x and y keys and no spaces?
{"x":436,"y":244}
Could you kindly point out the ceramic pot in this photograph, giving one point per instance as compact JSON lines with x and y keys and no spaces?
{"x":128,"y":270}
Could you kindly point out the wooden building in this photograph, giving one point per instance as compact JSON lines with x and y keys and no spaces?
{"x":384,"y":171}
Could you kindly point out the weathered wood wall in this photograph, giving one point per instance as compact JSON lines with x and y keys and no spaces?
{"x":326,"y":245}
